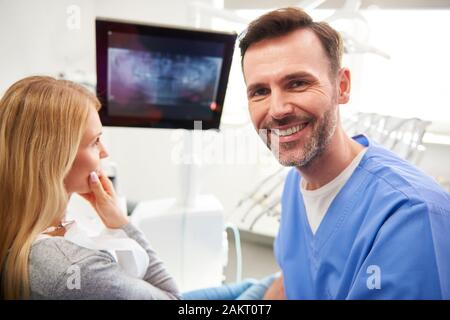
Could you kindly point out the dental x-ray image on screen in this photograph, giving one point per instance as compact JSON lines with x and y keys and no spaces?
{"x":162,"y":77}
{"x":158,"y":78}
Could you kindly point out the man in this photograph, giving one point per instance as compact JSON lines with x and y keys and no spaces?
{"x":357,"y":221}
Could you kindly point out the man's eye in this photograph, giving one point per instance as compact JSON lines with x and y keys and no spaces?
{"x":259,"y":92}
{"x":297,"y":83}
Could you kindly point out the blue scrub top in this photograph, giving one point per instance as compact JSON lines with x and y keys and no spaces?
{"x":386,"y":235}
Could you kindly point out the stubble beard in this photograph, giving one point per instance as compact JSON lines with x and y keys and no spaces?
{"x":312,"y":149}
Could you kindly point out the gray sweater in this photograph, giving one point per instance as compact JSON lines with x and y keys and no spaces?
{"x":54,"y":262}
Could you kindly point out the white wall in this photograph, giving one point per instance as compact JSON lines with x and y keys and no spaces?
{"x":35,"y":39}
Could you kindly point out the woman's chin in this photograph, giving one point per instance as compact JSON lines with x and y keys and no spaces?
{"x":83,"y":190}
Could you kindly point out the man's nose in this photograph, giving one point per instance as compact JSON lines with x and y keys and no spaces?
{"x":280,"y":105}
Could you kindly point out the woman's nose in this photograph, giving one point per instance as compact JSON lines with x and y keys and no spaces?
{"x":103,"y":152}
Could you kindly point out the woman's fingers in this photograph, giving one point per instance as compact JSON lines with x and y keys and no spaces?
{"x":107,"y":184}
{"x":105,"y":202}
{"x":96,"y":186}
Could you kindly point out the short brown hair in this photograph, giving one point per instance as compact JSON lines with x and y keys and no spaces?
{"x":283,"y":21}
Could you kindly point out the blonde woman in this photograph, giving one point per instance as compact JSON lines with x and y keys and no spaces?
{"x":50,"y":148}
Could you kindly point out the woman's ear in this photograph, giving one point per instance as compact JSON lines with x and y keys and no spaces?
{"x":344,"y":85}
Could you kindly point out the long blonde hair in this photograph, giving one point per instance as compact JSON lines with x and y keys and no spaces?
{"x":42,"y":121}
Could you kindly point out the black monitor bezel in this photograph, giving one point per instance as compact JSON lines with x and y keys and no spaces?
{"x":103,"y":26}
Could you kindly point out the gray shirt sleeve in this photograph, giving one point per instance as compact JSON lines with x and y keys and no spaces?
{"x":60,"y":269}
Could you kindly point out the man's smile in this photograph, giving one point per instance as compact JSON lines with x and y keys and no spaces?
{"x":289,"y":132}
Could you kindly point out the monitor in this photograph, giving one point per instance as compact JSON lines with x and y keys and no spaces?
{"x":159,"y":76}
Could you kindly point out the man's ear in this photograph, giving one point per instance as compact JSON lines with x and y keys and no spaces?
{"x":344,"y":85}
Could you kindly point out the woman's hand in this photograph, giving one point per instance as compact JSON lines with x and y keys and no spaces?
{"x":104,"y":199}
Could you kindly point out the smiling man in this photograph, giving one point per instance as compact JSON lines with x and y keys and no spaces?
{"x":357,"y":221}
